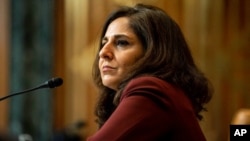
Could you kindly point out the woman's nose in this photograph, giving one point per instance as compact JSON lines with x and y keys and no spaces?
{"x":106,"y":52}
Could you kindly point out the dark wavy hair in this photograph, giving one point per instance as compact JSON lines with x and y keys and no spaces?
{"x":166,"y":56}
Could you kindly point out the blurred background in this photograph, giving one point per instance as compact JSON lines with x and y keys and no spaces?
{"x":41,"y":39}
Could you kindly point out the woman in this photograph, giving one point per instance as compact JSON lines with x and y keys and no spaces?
{"x":150,"y":87}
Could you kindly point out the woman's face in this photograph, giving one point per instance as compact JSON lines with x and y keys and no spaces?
{"x":121,"y":48}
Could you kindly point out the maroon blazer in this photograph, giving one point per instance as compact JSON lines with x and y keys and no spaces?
{"x":151,"y":110}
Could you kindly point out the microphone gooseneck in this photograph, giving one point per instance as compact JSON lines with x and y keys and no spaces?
{"x":52,"y":83}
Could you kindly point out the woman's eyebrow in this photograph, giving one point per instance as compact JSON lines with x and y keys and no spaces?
{"x":117,"y":36}
{"x":123,"y":36}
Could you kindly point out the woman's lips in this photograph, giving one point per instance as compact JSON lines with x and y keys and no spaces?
{"x":107,"y":68}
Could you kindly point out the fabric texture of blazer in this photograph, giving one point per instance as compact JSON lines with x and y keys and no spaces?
{"x":151,"y":109}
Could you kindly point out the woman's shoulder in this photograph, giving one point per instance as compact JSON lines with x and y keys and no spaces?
{"x":147,"y":78}
{"x":146,"y":81}
{"x":149,"y":85}
{"x":158,"y":90}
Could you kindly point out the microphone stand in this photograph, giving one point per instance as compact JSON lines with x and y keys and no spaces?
{"x":54,"y":82}
{"x":18,"y":93}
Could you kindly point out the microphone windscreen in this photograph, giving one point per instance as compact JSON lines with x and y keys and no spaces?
{"x":55,"y":82}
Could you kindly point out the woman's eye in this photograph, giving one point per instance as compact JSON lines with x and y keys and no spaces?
{"x":122,"y":43}
{"x":103,"y":43}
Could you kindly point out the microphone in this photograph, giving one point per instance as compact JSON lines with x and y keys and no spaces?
{"x":52,"y":83}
